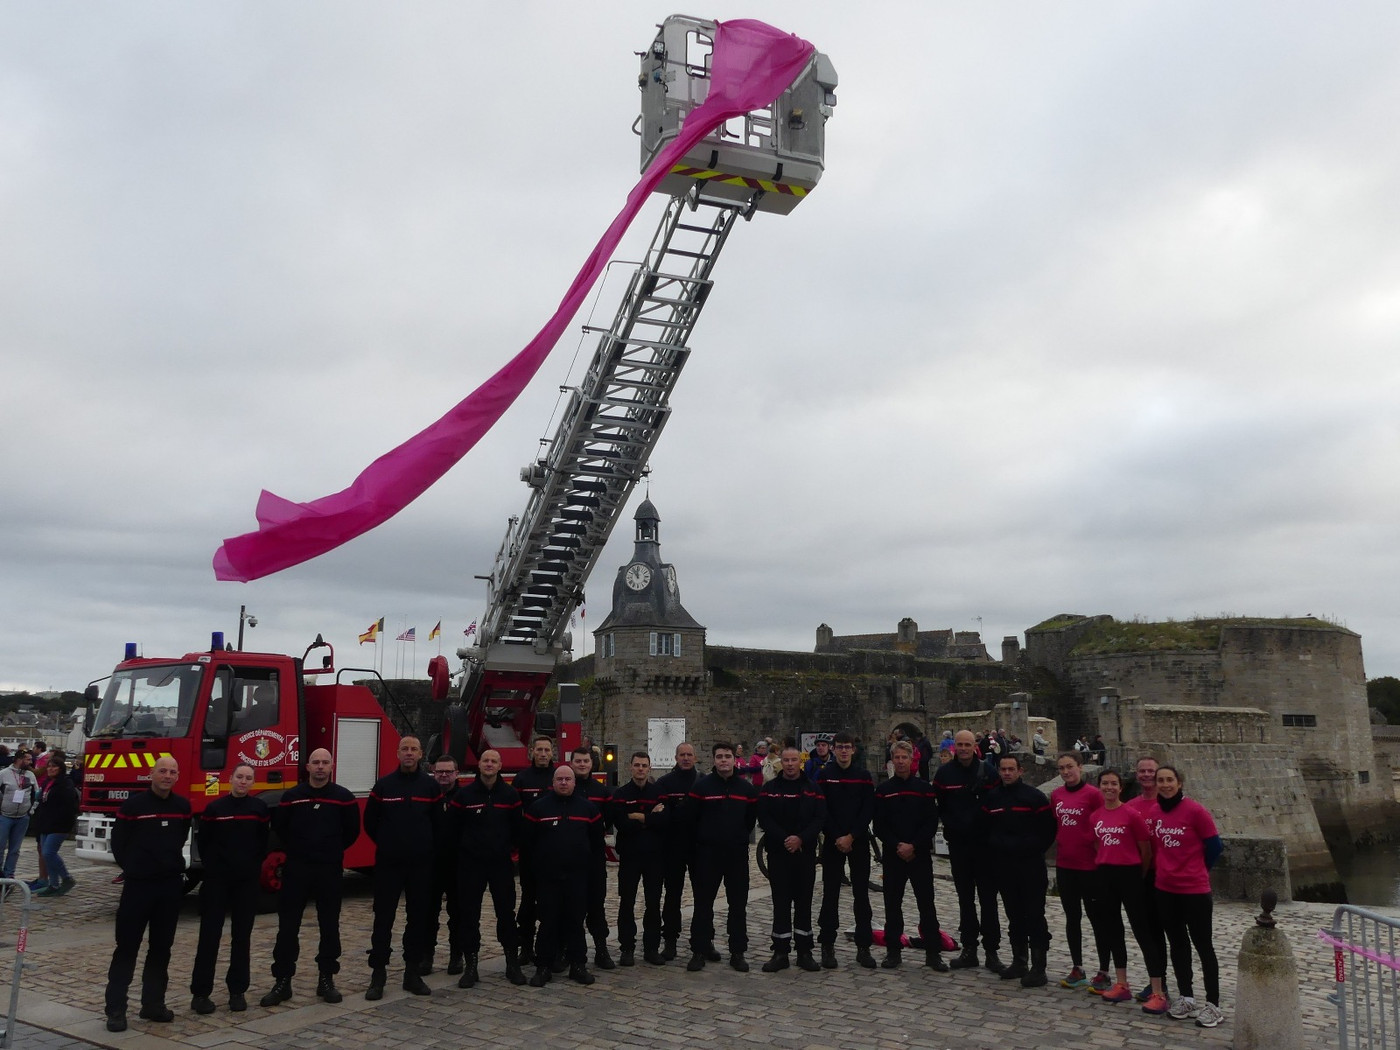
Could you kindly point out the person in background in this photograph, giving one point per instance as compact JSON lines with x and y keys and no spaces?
{"x":819,"y":759}
{"x":232,"y":838}
{"x":772,"y":764}
{"x":55,"y":819}
{"x":1187,"y":846}
{"x":5,"y":757}
{"x":19,"y":794}
{"x":444,"y":887}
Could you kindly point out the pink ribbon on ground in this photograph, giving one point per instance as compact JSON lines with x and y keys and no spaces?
{"x":752,"y":65}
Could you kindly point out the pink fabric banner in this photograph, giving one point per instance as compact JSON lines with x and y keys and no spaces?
{"x":752,"y":65}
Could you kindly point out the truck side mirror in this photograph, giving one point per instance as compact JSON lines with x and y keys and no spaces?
{"x":90,"y":698}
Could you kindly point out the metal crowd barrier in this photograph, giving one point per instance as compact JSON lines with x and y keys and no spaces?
{"x":1368,"y":1006}
{"x":14,"y":893}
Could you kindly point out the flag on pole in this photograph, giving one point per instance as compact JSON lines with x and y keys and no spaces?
{"x":408,"y":635}
{"x":470,"y":630}
{"x":435,"y":632}
{"x":369,"y":636}
{"x":381,"y":623}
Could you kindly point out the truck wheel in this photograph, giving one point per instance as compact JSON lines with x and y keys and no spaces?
{"x":434,"y":751}
{"x":270,"y":877}
{"x":455,"y":733}
{"x":763,"y":856}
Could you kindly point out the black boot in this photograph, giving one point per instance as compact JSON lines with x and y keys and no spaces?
{"x":413,"y":983}
{"x":829,"y":956}
{"x":454,"y":964}
{"x":560,"y":964}
{"x":202,"y":1004}
{"x":579,"y":972}
{"x":738,"y":962}
{"x":326,"y":989}
{"x":601,"y":958}
{"x":966,"y":959}
{"x":377,"y":978}
{"x":627,"y":957}
{"x":470,"y":975}
{"x":514,"y":974}
{"x":934,"y":961}
{"x":1035,"y":976}
{"x":993,"y":962}
{"x":778,"y":962}
{"x":806,"y":961}
{"x":540,"y":978}
{"x":864,"y":958}
{"x":1016,"y":970}
{"x":669,"y":952}
{"x":281,"y":992}
{"x":654,"y":957}
{"x":696,"y":964}
{"x":425,"y":965}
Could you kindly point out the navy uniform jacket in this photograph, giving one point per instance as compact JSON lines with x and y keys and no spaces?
{"x":148,"y":840}
{"x":905,"y":811}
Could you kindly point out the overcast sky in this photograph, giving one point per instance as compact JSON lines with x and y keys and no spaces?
{"x":1096,"y":310}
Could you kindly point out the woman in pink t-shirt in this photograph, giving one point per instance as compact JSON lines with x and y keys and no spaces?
{"x":1124,"y":853}
{"x":1187,"y":844}
{"x":1073,"y":803}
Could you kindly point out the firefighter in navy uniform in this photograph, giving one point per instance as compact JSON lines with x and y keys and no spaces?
{"x":399,"y":817}
{"x":906,"y":816}
{"x":722,"y":809}
{"x":791,"y":812}
{"x":315,"y":822}
{"x":488,"y":825}
{"x":638,"y":813}
{"x":961,"y":786}
{"x":581,"y":760}
{"x":444,"y":888}
{"x":232,"y":840}
{"x":530,"y":784}
{"x":679,"y":846}
{"x":849,"y":790}
{"x":564,"y":829}
{"x":1021,"y":826}
{"x":148,"y":843}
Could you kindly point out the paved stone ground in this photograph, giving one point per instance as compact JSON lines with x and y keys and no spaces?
{"x":70,"y":942}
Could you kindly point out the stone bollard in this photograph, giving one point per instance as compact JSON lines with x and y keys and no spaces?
{"x":1267,"y":1015}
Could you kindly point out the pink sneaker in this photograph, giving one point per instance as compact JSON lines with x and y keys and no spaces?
{"x":1119,"y":993}
{"x":1156,"y":1004}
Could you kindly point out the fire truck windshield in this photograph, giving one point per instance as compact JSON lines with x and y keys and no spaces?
{"x":149,"y":701}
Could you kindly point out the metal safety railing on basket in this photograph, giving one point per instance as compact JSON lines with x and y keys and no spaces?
{"x":1368,"y":1007}
{"x":14,"y":896}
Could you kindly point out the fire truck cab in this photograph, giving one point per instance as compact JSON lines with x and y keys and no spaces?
{"x":213,"y":710}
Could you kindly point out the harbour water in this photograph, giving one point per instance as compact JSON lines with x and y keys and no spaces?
{"x":1372,"y":876}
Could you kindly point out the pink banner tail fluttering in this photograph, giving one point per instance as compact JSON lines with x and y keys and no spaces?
{"x":752,"y":65}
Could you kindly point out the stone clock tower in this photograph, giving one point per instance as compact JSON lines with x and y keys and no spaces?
{"x":649,"y":652}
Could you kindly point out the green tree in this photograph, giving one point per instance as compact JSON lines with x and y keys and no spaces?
{"x":1384,"y":694}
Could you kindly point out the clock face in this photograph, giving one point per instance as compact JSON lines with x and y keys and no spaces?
{"x":638,"y":576}
{"x":671,"y":580}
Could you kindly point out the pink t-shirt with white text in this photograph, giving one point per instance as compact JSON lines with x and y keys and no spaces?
{"x":1118,"y":832}
{"x":1179,"y":837}
{"x":1075,"y":845}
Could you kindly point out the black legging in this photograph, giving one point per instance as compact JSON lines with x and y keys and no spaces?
{"x":1189,"y":915}
{"x":1120,"y":890}
{"x":1080,"y":888}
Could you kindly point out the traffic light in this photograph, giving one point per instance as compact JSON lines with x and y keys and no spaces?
{"x":610,"y":763}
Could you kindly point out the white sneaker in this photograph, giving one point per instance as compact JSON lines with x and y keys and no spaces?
{"x":1209,"y":1015}
{"x":1183,"y":1008}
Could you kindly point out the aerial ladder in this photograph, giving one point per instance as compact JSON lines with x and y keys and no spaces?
{"x":579,"y":484}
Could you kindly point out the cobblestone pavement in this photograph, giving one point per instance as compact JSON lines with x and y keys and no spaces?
{"x":70,"y":940}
